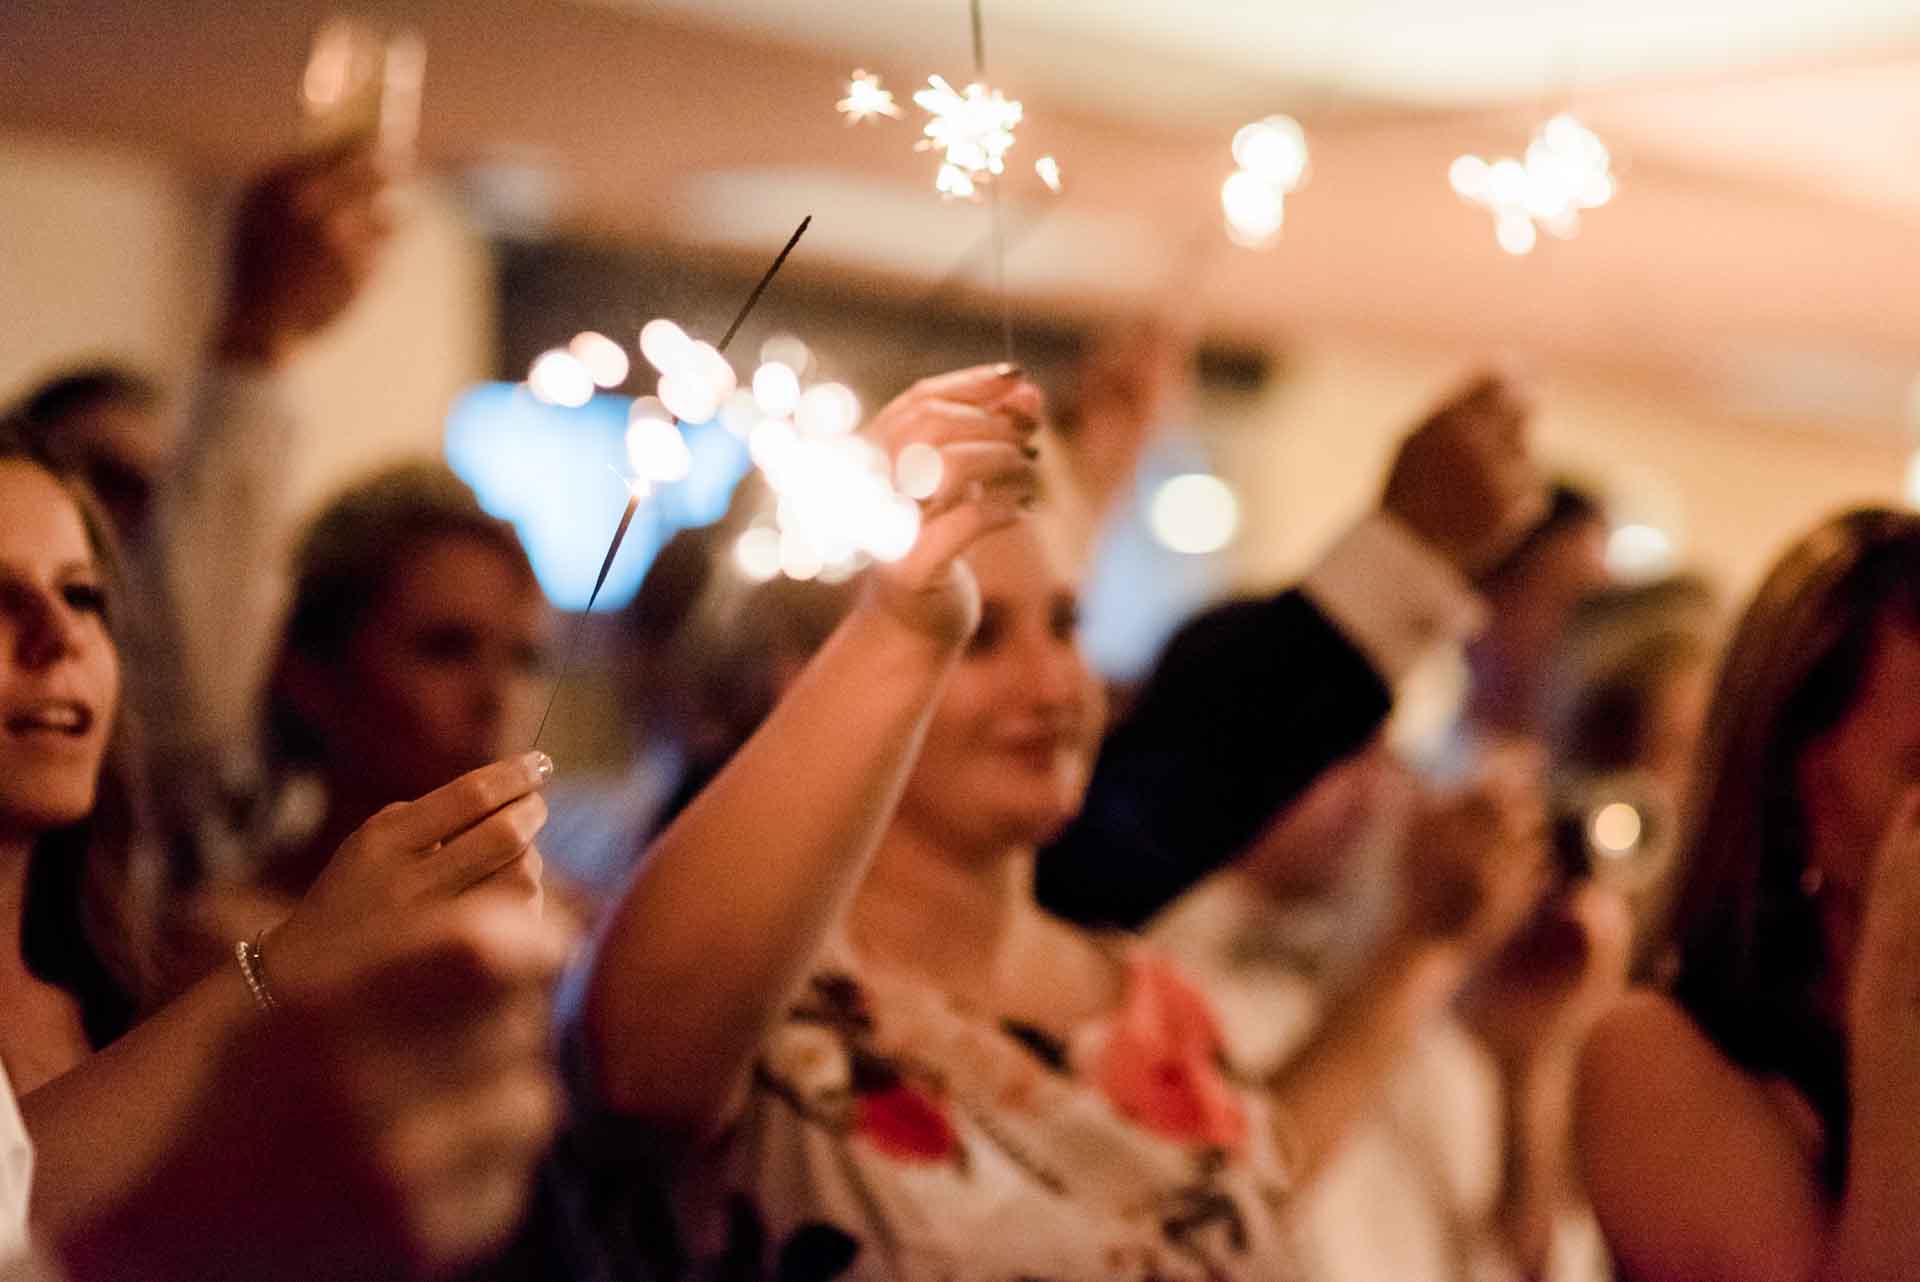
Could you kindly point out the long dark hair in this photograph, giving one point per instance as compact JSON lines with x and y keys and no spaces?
{"x":1751,"y":954}
{"x":96,"y":888}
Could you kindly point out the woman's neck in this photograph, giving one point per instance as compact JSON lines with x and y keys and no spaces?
{"x":950,"y":916}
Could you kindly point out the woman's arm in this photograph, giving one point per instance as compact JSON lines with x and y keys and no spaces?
{"x":1694,"y":1169}
{"x":1697,"y":1170}
{"x":1471,"y":871}
{"x":98,"y":1128}
{"x":738,"y":895}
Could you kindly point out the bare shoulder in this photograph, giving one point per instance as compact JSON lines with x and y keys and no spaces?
{"x":1694,"y":1169}
{"x":1646,"y":1028}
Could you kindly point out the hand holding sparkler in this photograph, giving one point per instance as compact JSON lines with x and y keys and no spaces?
{"x":962,"y":446}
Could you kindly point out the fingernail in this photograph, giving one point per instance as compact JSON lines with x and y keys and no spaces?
{"x":542,"y":765}
{"x":1007,"y":369}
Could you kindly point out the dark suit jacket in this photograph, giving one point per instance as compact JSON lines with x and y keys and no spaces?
{"x":1250,"y":703}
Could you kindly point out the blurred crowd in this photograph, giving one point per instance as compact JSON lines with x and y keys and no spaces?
{"x":903,"y":948}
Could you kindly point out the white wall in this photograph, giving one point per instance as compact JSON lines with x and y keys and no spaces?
{"x":116,"y":255}
{"x":101,"y":254}
{"x":1311,"y":452}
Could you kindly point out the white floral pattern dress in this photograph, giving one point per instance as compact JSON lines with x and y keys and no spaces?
{"x":891,"y":1135}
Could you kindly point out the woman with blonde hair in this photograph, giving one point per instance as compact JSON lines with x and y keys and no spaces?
{"x":868,"y":1051}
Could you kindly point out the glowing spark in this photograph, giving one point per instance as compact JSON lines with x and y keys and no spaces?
{"x":604,"y":358}
{"x":776,"y":388}
{"x":954,"y":181}
{"x":1049,"y":170}
{"x":558,"y":377}
{"x":1272,"y":159}
{"x":1275,"y":149}
{"x":972,"y":128}
{"x":866,"y":99}
{"x":1567,"y":170}
{"x":919,"y":471}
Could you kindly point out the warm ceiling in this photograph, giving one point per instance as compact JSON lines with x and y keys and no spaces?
{"x":1757,"y":253}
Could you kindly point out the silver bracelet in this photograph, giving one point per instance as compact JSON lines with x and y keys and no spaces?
{"x":253,"y":969}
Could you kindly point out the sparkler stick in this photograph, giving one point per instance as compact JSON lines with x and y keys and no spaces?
{"x":633,"y":497}
{"x":993,"y":199}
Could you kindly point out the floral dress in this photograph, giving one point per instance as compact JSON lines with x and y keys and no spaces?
{"x":890,"y":1134}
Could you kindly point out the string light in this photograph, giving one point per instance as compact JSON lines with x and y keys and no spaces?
{"x":1567,"y":171}
{"x":1049,"y":171}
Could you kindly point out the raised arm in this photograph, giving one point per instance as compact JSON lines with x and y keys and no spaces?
{"x":99,"y":1129}
{"x":306,"y":240}
{"x":1472,"y":870}
{"x":739,"y":893}
{"x":1254,"y":700}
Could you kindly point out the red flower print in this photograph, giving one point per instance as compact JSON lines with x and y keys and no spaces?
{"x":906,"y":1124}
{"x":1160,"y":1064}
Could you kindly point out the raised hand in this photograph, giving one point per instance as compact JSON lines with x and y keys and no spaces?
{"x":475,"y":832}
{"x":306,"y":242}
{"x":1543,"y":991}
{"x":1476,"y":861}
{"x":384,"y":1121}
{"x":979,"y":425}
{"x":1464,"y":480}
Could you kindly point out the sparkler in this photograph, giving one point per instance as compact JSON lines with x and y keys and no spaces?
{"x":866,"y":99}
{"x":638,"y":491}
{"x":971,"y":128}
{"x":1272,"y":159}
{"x":1567,"y":171}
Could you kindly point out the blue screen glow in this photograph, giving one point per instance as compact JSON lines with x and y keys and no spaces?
{"x":556,"y":475}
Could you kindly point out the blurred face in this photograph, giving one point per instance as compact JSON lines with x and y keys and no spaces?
{"x":1530,"y":614}
{"x":121,"y":447}
{"x":59,"y":673}
{"x":437,"y":678}
{"x":1008,"y":753}
{"x":1852,"y":777}
{"x":1675,"y":722}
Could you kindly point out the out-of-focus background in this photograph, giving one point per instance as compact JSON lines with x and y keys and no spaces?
{"x":1725,"y":351}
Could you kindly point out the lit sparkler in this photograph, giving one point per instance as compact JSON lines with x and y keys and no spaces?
{"x":1567,"y":170}
{"x":866,"y":99}
{"x":971,"y":128}
{"x":658,"y":459}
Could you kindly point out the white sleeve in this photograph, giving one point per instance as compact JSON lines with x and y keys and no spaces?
{"x":220,"y":558}
{"x":1393,"y":596}
{"x":16,"y":1174}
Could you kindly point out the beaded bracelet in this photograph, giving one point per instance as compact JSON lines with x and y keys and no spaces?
{"x":253,"y":969}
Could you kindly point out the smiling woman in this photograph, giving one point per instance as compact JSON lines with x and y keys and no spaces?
{"x":66,"y":825}
{"x":137,"y":1167}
